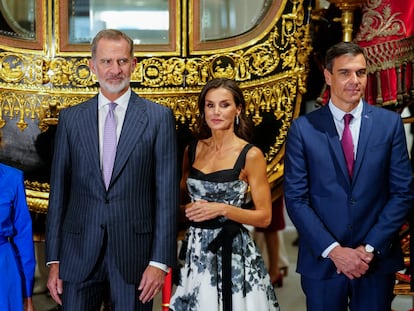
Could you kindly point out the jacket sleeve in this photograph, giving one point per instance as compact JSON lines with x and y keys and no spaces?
{"x":23,"y":238}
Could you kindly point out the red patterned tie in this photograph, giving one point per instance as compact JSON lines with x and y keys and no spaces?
{"x":347,"y":144}
{"x":109,"y":144}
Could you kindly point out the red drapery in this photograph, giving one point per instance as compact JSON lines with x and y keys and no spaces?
{"x":387,"y":35}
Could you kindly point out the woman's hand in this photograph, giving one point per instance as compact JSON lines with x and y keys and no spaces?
{"x":203,"y":210}
{"x":28,"y":304}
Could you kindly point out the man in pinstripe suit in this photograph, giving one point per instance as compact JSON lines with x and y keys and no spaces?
{"x":120,"y":238}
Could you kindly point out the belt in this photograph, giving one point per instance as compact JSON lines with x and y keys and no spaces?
{"x":224,"y":239}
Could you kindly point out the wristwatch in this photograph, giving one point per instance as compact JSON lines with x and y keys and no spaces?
{"x":369,"y":248}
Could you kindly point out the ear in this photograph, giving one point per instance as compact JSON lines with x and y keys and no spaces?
{"x":239,"y":109}
{"x":92,"y":65}
{"x":133,"y":64}
{"x":328,"y":76}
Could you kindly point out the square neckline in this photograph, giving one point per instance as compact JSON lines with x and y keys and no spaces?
{"x":238,"y":165}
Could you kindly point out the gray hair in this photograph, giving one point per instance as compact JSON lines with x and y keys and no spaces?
{"x":111,"y":34}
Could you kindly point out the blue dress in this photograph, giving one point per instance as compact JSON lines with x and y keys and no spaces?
{"x":17,"y":260}
{"x":205,"y":283}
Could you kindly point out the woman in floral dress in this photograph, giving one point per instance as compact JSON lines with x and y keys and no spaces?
{"x":223,"y":268}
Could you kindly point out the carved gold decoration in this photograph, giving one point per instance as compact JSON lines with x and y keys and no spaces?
{"x":272,"y":74}
{"x":347,"y":19}
{"x":37,"y":195}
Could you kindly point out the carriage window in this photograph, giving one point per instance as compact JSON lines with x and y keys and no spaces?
{"x":145,"y":21}
{"x":17,"y":19}
{"x":230,"y":18}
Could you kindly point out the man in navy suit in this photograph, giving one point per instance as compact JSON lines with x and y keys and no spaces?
{"x":116,"y":238}
{"x":348,"y":219}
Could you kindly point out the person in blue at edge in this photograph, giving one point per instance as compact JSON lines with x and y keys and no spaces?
{"x":17,"y":259}
{"x":223,"y":268}
{"x":348,"y":219}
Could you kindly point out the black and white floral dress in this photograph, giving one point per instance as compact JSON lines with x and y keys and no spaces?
{"x":223,"y":268}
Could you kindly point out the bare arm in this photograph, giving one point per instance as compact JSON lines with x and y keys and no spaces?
{"x":255,"y":173}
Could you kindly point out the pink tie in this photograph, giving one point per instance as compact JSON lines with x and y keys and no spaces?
{"x":347,"y":145}
{"x":109,"y":144}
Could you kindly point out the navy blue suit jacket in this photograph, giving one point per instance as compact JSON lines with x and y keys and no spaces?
{"x":138,"y":211}
{"x":326,"y":206}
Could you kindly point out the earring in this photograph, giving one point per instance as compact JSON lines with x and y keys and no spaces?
{"x":237,"y":119}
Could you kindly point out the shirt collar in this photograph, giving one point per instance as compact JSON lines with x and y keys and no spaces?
{"x":121,"y":101}
{"x":338,"y":114}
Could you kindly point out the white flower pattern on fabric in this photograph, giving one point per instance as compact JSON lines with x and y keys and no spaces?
{"x":200,"y":284}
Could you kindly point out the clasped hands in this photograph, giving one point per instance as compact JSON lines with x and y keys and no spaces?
{"x":202,"y":210}
{"x":354,"y":263}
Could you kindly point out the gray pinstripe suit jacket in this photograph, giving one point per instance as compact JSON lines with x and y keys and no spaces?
{"x":138,"y":210}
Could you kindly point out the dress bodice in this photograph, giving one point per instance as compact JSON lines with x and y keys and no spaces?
{"x":223,"y":269}
{"x":221,"y":186}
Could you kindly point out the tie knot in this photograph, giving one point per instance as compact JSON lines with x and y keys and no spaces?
{"x":112,"y":106}
{"x":347,"y":118}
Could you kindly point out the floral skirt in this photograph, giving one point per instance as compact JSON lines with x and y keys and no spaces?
{"x":200,"y":286}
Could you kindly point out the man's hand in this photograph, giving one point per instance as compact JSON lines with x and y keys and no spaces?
{"x":354,"y":263}
{"x":151,"y":283}
{"x":54,"y":284}
{"x":365,"y":256}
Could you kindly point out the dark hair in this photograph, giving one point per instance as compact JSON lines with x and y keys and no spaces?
{"x":111,"y":34}
{"x":243,"y":129}
{"x":339,"y":49}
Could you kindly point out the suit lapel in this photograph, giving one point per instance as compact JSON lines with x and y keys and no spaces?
{"x":135,"y":122}
{"x":329,"y":128}
{"x":88,"y":127}
{"x":367,"y":120}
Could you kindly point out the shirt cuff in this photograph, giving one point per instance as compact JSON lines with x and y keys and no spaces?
{"x":369,"y":248}
{"x":328,"y":249}
{"x":50,"y":262}
{"x":159,"y":266}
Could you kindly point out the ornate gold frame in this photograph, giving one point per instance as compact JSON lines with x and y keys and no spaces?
{"x":37,"y":45}
{"x":271,"y":68}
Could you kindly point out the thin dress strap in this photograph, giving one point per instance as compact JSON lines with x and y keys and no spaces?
{"x":241,"y":160}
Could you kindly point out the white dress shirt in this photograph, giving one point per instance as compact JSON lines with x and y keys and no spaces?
{"x":354,"y":126}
